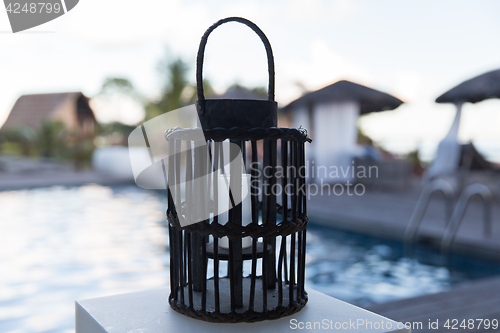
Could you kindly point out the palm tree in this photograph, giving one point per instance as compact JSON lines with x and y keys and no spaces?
{"x":177,"y":91}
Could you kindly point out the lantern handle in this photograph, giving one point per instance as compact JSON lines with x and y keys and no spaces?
{"x":201,"y":51}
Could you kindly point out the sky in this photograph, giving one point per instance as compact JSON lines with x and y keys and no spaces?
{"x":415,"y":50}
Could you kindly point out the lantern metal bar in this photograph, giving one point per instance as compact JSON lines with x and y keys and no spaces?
{"x":299,"y":234}
{"x":292,"y":268}
{"x":215,"y":159}
{"x":272,"y":211}
{"x":190,"y":269}
{"x":177,"y":162}
{"x":185,"y":259}
{"x":188,"y":197}
{"x":184,"y":273}
{"x":180,"y":238}
{"x":255,"y":220}
{"x":216,"y":275}
{"x":254,"y":184}
{"x":242,"y":146}
{"x":173,"y":285}
{"x":264,"y":277}
{"x":178,"y":245}
{"x":171,"y":207}
{"x":231,"y":276}
{"x":181,"y":264}
{"x":243,"y":149}
{"x":295,"y":181}
{"x":280,"y":271}
{"x":251,"y":302}
{"x":294,"y":216}
{"x":198,"y":199}
{"x":299,"y":263}
{"x":288,"y":182}
{"x":235,"y":218}
{"x":302,"y":178}
{"x":285,"y":260}
{"x":222,"y":170}
{"x":201,"y":169}
{"x":204,"y":276}
{"x":171,"y":173}
{"x":284,"y":215}
{"x":187,"y":235}
{"x":173,"y":247}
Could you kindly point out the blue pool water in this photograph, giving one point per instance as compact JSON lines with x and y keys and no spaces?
{"x":365,"y":270}
{"x":58,"y":245}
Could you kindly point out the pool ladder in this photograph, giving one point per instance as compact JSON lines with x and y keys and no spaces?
{"x":438,"y":185}
{"x":456,"y":219}
{"x":453,"y":217}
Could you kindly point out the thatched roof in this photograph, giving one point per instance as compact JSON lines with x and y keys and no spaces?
{"x":370,"y":100}
{"x":475,"y":90}
{"x":238,"y":92}
{"x":32,"y":110}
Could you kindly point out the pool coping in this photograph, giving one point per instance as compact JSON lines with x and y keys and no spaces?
{"x":486,"y":249}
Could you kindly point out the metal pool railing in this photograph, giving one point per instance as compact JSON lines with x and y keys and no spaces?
{"x":438,"y":185}
{"x":458,"y":214}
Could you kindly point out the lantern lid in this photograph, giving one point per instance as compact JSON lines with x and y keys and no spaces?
{"x":243,"y":113}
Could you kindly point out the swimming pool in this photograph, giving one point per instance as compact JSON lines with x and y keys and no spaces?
{"x":365,"y":270}
{"x":61,"y":244}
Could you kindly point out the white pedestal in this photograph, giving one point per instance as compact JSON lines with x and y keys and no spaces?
{"x":149,"y":312}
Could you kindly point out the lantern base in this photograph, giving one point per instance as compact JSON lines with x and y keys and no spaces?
{"x":244,"y":313}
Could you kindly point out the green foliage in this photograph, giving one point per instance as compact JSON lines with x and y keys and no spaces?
{"x":55,"y":141}
{"x":114,"y":128}
{"x":18,"y":140}
{"x":114,"y":133}
{"x":51,"y":139}
{"x":262,"y":91}
{"x":119,"y":85}
{"x":177,"y":90}
{"x":112,"y":84}
{"x":259,"y":91}
{"x":175,"y":74}
{"x":80,"y":151}
{"x":177,"y":81}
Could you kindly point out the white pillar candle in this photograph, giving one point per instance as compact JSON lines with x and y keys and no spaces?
{"x":224,"y":204}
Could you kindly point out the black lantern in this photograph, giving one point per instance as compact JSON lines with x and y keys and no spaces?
{"x":245,"y":263}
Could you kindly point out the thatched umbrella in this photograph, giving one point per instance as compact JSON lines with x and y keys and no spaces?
{"x":475,"y":90}
{"x":330,"y":115}
{"x":369,"y":100}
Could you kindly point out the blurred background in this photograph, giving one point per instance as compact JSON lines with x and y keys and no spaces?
{"x":362,"y":76}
